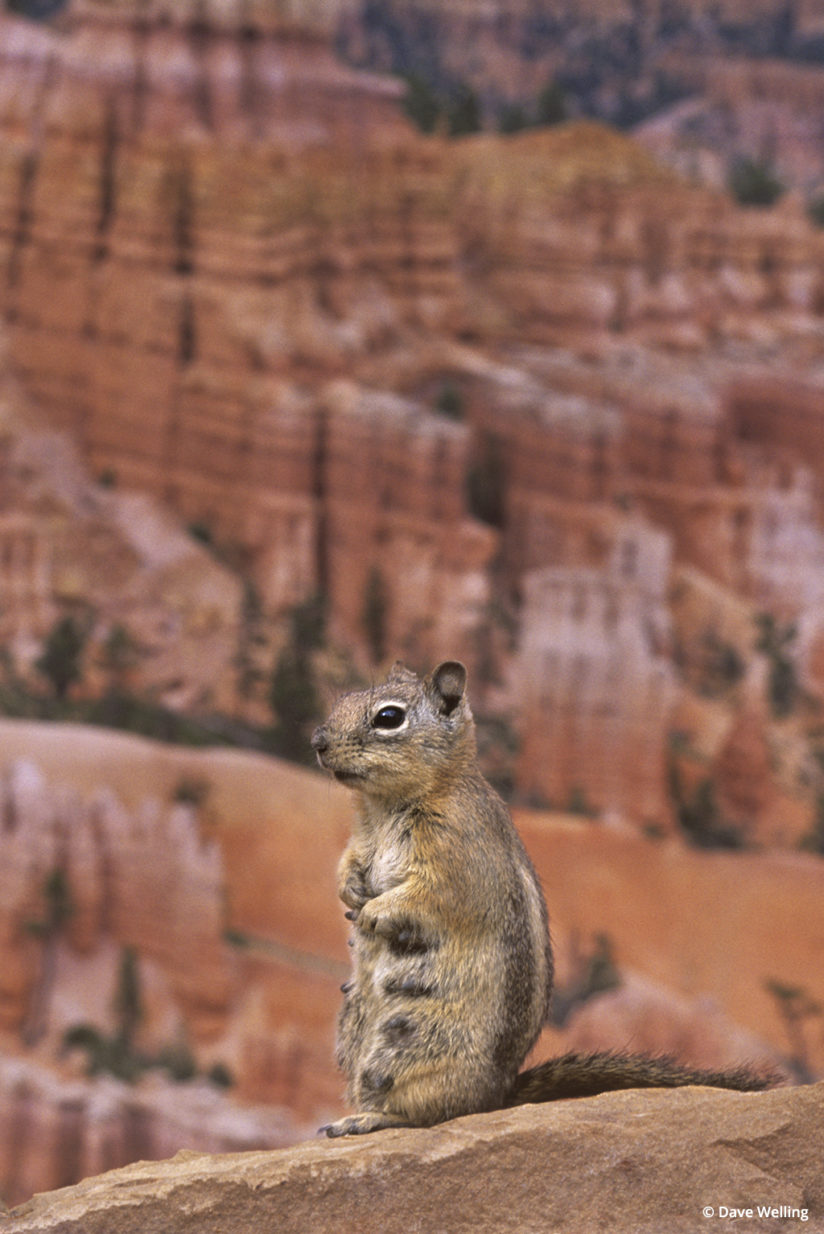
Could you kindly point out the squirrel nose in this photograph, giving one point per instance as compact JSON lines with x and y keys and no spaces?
{"x":320,"y":741}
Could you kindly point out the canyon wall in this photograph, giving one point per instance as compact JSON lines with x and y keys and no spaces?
{"x":115,"y":887}
{"x":596,"y":691}
{"x":270,"y":835}
{"x":169,"y":319}
{"x":763,"y":108}
{"x":131,"y":969}
{"x":117,"y":563}
{"x":696,"y":939}
{"x":252,"y":313}
{"x":703,"y":85}
{"x":57,"y":1131}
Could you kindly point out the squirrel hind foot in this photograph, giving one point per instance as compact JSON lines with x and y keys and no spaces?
{"x":362,"y":1124}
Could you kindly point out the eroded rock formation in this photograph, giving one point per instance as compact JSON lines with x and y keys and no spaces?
{"x":87,"y":881}
{"x":594,"y":684}
{"x":57,"y":1130}
{"x":117,"y":562}
{"x":116,"y":887}
{"x":194,"y":262}
{"x":231,"y":910}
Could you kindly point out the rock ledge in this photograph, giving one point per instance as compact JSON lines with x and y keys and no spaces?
{"x":637,"y":1161}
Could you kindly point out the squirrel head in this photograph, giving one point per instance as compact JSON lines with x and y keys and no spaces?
{"x":406,"y":738}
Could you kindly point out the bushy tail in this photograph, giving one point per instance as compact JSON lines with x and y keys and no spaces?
{"x":586,"y":1075}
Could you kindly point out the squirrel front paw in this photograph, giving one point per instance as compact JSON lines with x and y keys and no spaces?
{"x":405,"y":937}
{"x":352,"y":889}
{"x":370,"y":920}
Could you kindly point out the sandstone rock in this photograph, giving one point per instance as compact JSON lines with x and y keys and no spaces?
{"x":708,"y":931}
{"x":108,"y":859}
{"x":594,"y":689}
{"x":396,"y":523}
{"x":753,"y":407}
{"x":730,"y":942}
{"x":55,"y":1130}
{"x":738,"y":106}
{"x":657,"y":1021}
{"x":219,"y":218}
{"x":210,"y":237}
{"x":698,"y":924}
{"x":264,"y":1003}
{"x":633,"y":1163}
{"x":744,"y":773}
{"x":66,"y":541}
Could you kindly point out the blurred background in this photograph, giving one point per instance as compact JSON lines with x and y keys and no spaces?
{"x":334,"y":332}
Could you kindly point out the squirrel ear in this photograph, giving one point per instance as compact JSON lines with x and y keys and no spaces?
{"x":447,"y":683}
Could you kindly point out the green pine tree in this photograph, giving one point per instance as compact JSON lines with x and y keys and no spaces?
{"x":61,"y":660}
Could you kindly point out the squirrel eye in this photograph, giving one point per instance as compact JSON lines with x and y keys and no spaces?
{"x":389,"y":717}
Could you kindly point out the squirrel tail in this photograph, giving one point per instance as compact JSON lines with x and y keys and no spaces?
{"x":586,"y":1075}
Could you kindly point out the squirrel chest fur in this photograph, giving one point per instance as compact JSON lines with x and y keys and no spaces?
{"x":452,"y":966}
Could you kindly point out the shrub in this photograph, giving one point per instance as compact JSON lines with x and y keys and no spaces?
{"x":512,"y":118}
{"x":463,"y":114}
{"x":551,"y":107}
{"x":699,"y":815}
{"x":293,"y":694}
{"x":421,"y":104}
{"x":60,"y":661}
{"x":815,"y":210}
{"x":795,"y":1006}
{"x":753,"y":182}
{"x":450,"y":402}
{"x":592,"y":974}
{"x":813,"y":841}
{"x":775,"y":642}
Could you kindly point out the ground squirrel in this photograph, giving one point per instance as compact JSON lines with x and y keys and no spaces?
{"x":452,"y":964}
